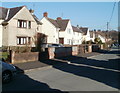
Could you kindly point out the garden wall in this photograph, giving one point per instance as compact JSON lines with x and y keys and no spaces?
{"x":24,"y":57}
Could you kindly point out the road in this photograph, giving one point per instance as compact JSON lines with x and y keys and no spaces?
{"x":97,"y":73}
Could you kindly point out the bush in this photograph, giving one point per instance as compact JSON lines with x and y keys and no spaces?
{"x":98,"y":41}
{"x":83,"y":42}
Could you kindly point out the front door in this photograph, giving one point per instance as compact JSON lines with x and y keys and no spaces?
{"x":61,"y":40}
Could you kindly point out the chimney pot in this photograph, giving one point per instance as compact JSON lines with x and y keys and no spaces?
{"x":45,"y":14}
{"x":31,"y":11}
{"x":59,"y":18}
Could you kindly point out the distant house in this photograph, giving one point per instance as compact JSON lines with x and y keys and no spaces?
{"x":92,"y":36}
{"x":19,"y":26}
{"x":101,"y":35}
{"x":50,"y":28}
{"x":86,"y":33}
{"x":77,"y":36}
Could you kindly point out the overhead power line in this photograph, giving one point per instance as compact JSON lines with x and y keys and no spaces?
{"x":112,"y":12}
{"x":111,"y":16}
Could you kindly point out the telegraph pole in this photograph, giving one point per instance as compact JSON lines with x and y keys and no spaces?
{"x":107,"y":34}
{"x":107,"y":25}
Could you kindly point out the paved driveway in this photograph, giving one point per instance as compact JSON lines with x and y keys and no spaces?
{"x":98,"y":73}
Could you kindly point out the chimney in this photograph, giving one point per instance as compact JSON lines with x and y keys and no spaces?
{"x":31,"y":11}
{"x":45,"y":14}
{"x":59,"y":18}
{"x":77,"y":26}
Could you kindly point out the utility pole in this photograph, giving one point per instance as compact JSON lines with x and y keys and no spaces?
{"x":107,"y":25}
{"x":107,"y":34}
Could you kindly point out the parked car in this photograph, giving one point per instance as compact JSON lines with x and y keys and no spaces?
{"x":51,"y":45}
{"x":56,"y":45}
{"x":45,"y":45}
{"x":8,"y":71}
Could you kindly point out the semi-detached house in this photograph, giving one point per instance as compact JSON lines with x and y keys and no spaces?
{"x":50,"y":28}
{"x":86,"y":33}
{"x":77,"y":36}
{"x":66,"y":31}
{"x":60,"y":31}
{"x":19,"y":26}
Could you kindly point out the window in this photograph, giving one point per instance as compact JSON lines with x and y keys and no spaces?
{"x":29,"y":24}
{"x":29,"y":40}
{"x":37,"y":28}
{"x":68,"y":41}
{"x":69,"y":30}
{"x":21,"y":40}
{"x":22,"y":23}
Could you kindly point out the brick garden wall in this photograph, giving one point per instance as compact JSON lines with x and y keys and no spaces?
{"x":53,"y":52}
{"x":24,"y":57}
{"x":57,"y":52}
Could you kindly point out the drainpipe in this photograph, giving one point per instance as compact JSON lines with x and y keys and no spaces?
{"x":7,"y":14}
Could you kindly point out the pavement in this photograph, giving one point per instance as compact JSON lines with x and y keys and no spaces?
{"x":98,"y":73}
{"x":22,"y":67}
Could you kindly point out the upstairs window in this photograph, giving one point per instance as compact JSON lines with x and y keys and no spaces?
{"x":29,"y":24}
{"x":69,"y":30}
{"x":22,"y":23}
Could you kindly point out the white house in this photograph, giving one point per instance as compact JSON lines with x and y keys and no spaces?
{"x":99,"y":34}
{"x":0,"y":33}
{"x":57,"y":31}
{"x":77,"y":36}
{"x":86,"y":33}
{"x":92,"y":36}
{"x":66,"y":31}
{"x":50,"y":28}
{"x":19,"y":26}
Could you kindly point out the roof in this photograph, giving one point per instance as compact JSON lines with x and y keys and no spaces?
{"x":76,"y":29}
{"x":62,"y":24}
{"x":37,"y":20}
{"x":84,"y":30}
{"x":7,"y":13}
{"x":53,"y":22}
{"x":3,"y":12}
{"x":100,"y":33}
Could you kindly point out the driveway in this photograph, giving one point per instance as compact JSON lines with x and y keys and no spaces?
{"x":97,"y":73}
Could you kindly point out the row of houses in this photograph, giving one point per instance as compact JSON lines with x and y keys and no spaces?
{"x":19,"y":26}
